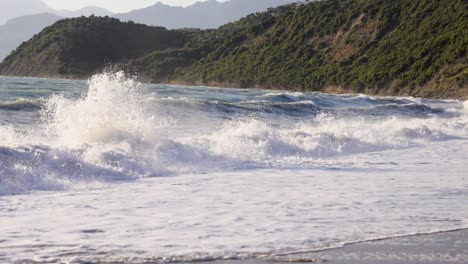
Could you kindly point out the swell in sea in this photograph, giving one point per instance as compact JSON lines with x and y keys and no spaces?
{"x":264,"y":172}
{"x":119,"y":129}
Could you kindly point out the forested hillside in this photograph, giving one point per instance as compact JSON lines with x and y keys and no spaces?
{"x":384,"y":47}
{"x":400,"y":47}
{"x":80,"y":47}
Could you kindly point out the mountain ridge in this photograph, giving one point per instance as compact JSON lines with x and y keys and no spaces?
{"x":85,"y":11}
{"x":416,"y":48}
{"x":21,"y":19}
{"x":13,"y":9}
{"x":204,"y":15}
{"x":20,"y":29}
{"x":209,"y":14}
{"x":10,"y":9}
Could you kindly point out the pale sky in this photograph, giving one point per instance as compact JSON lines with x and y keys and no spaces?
{"x":115,"y":6}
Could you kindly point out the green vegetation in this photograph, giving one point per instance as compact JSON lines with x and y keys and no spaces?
{"x":399,"y":47}
{"x":371,"y":46}
{"x":80,"y":47}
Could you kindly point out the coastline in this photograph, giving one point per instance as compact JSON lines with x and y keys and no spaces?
{"x":435,"y":248}
{"x":326,"y":90}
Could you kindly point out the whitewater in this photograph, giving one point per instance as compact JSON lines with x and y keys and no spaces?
{"x":114,"y":170}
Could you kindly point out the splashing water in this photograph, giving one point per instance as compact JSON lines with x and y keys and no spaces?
{"x":111,"y":112}
{"x":258,"y":173}
{"x":120,"y":129}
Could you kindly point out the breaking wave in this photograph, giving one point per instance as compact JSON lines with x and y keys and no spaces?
{"x":119,"y":130}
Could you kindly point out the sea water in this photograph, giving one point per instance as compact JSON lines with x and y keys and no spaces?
{"x":111,"y":169}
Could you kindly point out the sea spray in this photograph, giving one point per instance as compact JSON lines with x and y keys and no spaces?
{"x":318,"y":170}
{"x":325,"y":136}
{"x":105,"y":135}
{"x":121,"y":129}
{"x":112,"y":111}
{"x":8,"y":136}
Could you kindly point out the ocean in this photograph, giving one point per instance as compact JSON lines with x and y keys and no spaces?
{"x":113,"y":170}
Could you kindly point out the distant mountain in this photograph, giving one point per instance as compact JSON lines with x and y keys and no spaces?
{"x":208,"y":14}
{"x":85,"y":11}
{"x":15,"y":8}
{"x":21,"y":29}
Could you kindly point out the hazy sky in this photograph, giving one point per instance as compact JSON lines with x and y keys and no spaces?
{"x":113,"y":5}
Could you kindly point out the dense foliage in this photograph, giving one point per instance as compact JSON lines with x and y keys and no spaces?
{"x":82,"y":46}
{"x":373,"y":46}
{"x":415,"y":47}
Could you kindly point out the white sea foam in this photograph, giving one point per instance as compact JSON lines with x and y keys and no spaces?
{"x":114,"y":132}
{"x":8,"y":136}
{"x":112,"y":111}
{"x":248,"y":184}
{"x":255,"y":213}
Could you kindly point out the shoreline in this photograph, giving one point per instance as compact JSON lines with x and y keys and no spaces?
{"x":337,"y":90}
{"x":429,"y":248}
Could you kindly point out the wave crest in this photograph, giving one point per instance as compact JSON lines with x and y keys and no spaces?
{"x":21,"y":105}
{"x":112,"y":111}
{"x":115,"y":132}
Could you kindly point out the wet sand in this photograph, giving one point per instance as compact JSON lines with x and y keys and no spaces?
{"x":440,"y":248}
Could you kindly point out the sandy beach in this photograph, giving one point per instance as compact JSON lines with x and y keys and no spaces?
{"x":440,"y":248}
